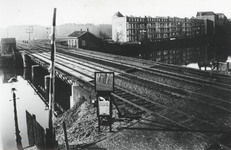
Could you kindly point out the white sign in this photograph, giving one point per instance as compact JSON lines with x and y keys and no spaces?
{"x":104,"y":105}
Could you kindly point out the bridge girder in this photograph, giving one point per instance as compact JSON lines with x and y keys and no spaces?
{"x":66,"y":77}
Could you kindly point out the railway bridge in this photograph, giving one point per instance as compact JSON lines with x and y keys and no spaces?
{"x":192,"y":103}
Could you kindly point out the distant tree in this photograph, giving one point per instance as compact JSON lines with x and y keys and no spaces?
{"x":106,"y":28}
{"x":103,"y":35}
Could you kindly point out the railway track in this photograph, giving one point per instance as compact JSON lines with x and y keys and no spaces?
{"x":177,"y":78}
{"x":182,"y":93}
{"x":212,"y":79}
{"x":90,"y":74}
{"x":143,"y":104}
{"x":186,"y":80}
{"x":164,"y":68}
{"x":177,"y":71}
{"x":173,"y":79}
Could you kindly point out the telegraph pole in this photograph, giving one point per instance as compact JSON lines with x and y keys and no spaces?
{"x":47,"y":31}
{"x":29,"y":31}
{"x":47,"y":34}
{"x":52,"y":82}
{"x":7,"y":30}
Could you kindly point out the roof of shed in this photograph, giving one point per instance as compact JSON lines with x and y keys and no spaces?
{"x":8,"y":40}
{"x":77,"y":34}
{"x":80,"y":33}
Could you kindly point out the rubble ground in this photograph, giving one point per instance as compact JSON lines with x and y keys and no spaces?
{"x":146,"y":132}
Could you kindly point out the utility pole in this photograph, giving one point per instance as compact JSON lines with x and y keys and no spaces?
{"x":47,"y":33}
{"x":52,"y":83}
{"x":7,"y":30}
{"x":29,"y":31}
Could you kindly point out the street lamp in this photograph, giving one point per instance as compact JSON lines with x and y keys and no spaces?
{"x":13,"y":81}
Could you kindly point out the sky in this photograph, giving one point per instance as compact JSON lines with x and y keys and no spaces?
{"x":40,"y":12}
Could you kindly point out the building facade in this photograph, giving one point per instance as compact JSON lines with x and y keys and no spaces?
{"x":208,"y":16}
{"x":138,"y":29}
{"x":221,"y":25}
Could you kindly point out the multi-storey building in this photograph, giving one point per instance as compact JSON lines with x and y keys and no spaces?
{"x":222,"y":24}
{"x":138,"y":29}
{"x":220,"y":21}
{"x":208,"y":15}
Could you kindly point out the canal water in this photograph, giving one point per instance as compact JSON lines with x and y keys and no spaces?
{"x":191,"y":56}
{"x":27,"y":100}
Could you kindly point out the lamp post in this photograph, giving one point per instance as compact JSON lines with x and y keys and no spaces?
{"x":17,"y":132}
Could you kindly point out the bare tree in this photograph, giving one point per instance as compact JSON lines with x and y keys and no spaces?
{"x":119,"y":36}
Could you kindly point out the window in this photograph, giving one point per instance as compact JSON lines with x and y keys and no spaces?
{"x":83,"y":43}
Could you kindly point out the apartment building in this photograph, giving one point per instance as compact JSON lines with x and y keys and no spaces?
{"x":220,"y":22}
{"x":221,"y":19}
{"x":209,"y":15}
{"x":138,"y":29}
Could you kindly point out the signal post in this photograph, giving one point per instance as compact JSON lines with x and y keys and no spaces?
{"x":104,"y":85}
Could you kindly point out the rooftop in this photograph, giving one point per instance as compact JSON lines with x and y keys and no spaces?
{"x":205,"y":13}
{"x":118,"y":14}
{"x":8,"y":40}
{"x":77,"y":33}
